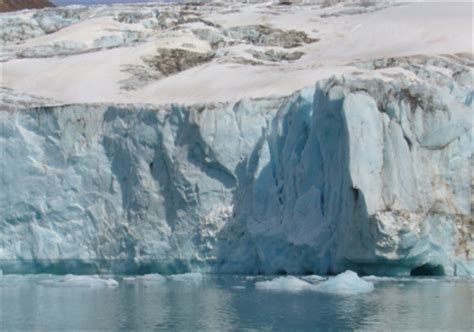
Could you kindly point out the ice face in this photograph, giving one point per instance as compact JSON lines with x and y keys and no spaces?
{"x":367,"y":173}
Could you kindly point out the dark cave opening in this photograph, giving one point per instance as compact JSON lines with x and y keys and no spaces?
{"x":428,"y":270}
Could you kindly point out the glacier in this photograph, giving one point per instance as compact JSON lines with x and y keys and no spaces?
{"x":224,"y":138}
{"x":366,"y":173}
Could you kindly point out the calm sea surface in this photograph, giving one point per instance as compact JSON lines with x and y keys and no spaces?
{"x":233,"y":303}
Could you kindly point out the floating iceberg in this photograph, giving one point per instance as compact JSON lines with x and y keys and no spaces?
{"x":346,"y":283}
{"x":129,"y":279}
{"x":153,"y":278}
{"x":284,"y":284}
{"x":193,"y":278}
{"x":238,"y":287}
{"x":15,"y":280}
{"x":73,"y":281}
{"x":374,"y":279}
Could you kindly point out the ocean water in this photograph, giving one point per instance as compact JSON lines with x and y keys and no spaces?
{"x":230,"y":303}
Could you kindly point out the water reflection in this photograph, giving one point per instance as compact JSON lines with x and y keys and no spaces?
{"x":217,"y":305}
{"x":431,"y":305}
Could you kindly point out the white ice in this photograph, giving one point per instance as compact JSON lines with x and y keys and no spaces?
{"x":192,"y":278}
{"x":346,"y":283}
{"x":285,"y":284}
{"x":74,"y":281}
{"x":313,"y":278}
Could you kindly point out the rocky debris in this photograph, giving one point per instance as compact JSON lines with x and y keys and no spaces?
{"x":140,"y":25}
{"x":275,"y":56}
{"x":258,"y":35}
{"x":137,"y":17}
{"x":213,"y":36}
{"x":140,"y":76}
{"x":262,"y":35}
{"x":171,"y":61}
{"x":13,"y":5}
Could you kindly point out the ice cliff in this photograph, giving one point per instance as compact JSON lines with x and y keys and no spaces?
{"x":371,"y":174}
{"x":154,"y":139}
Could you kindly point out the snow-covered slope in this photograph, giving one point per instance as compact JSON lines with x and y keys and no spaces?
{"x":105,"y":53}
{"x":254,"y":138}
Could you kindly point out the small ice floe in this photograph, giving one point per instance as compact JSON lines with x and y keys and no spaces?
{"x":15,"y":280}
{"x":129,"y":280}
{"x":378,"y":279}
{"x":422,"y":279}
{"x":193,"y":278}
{"x":238,"y":287}
{"x":154,"y":277}
{"x":74,"y":281}
{"x":313,"y":278}
{"x":254,"y":277}
{"x":346,"y":283}
{"x":284,"y":284}
{"x":148,"y":279}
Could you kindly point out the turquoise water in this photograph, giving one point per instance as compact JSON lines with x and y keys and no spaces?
{"x":233,"y":303}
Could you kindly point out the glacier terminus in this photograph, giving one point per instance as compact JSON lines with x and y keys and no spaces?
{"x":237,"y":138}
